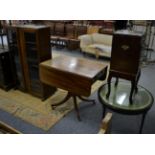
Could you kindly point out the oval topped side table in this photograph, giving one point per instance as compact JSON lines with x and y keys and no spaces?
{"x":118,"y":100}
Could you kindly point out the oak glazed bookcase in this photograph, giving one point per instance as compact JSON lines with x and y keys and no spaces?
{"x":31,"y":46}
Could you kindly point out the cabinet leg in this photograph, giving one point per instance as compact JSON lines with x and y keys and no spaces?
{"x":109,"y":87}
{"x":133,"y":83}
{"x":139,"y":74}
{"x":116,"y":83}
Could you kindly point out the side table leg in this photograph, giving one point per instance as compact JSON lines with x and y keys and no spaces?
{"x":142,"y":122}
{"x":87,"y":100}
{"x":76,"y":108}
{"x":109,"y":86}
{"x":104,"y":111}
{"x":2,"y":42}
{"x":68,"y":96}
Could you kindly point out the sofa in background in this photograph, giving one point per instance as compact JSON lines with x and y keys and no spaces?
{"x":96,"y":44}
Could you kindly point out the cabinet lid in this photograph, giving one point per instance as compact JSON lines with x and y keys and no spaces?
{"x":129,"y":32}
{"x":32,"y":26}
{"x":3,"y":51}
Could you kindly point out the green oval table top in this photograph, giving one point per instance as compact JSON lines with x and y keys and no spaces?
{"x":119,"y":98}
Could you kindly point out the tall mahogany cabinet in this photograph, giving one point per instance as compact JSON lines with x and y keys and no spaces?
{"x":30,"y":45}
{"x":125,"y":58}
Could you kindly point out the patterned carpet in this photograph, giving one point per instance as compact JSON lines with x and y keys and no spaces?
{"x":35,"y":111}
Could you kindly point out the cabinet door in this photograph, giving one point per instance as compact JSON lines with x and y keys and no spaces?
{"x":6,"y":76}
{"x":32,"y":61}
{"x":126,"y":53}
{"x":14,"y":45}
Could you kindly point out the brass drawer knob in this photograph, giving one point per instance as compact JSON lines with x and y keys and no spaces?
{"x":125,"y":47}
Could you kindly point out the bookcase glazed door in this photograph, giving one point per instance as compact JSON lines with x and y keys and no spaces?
{"x":32,"y":58}
{"x":14,"y":47}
